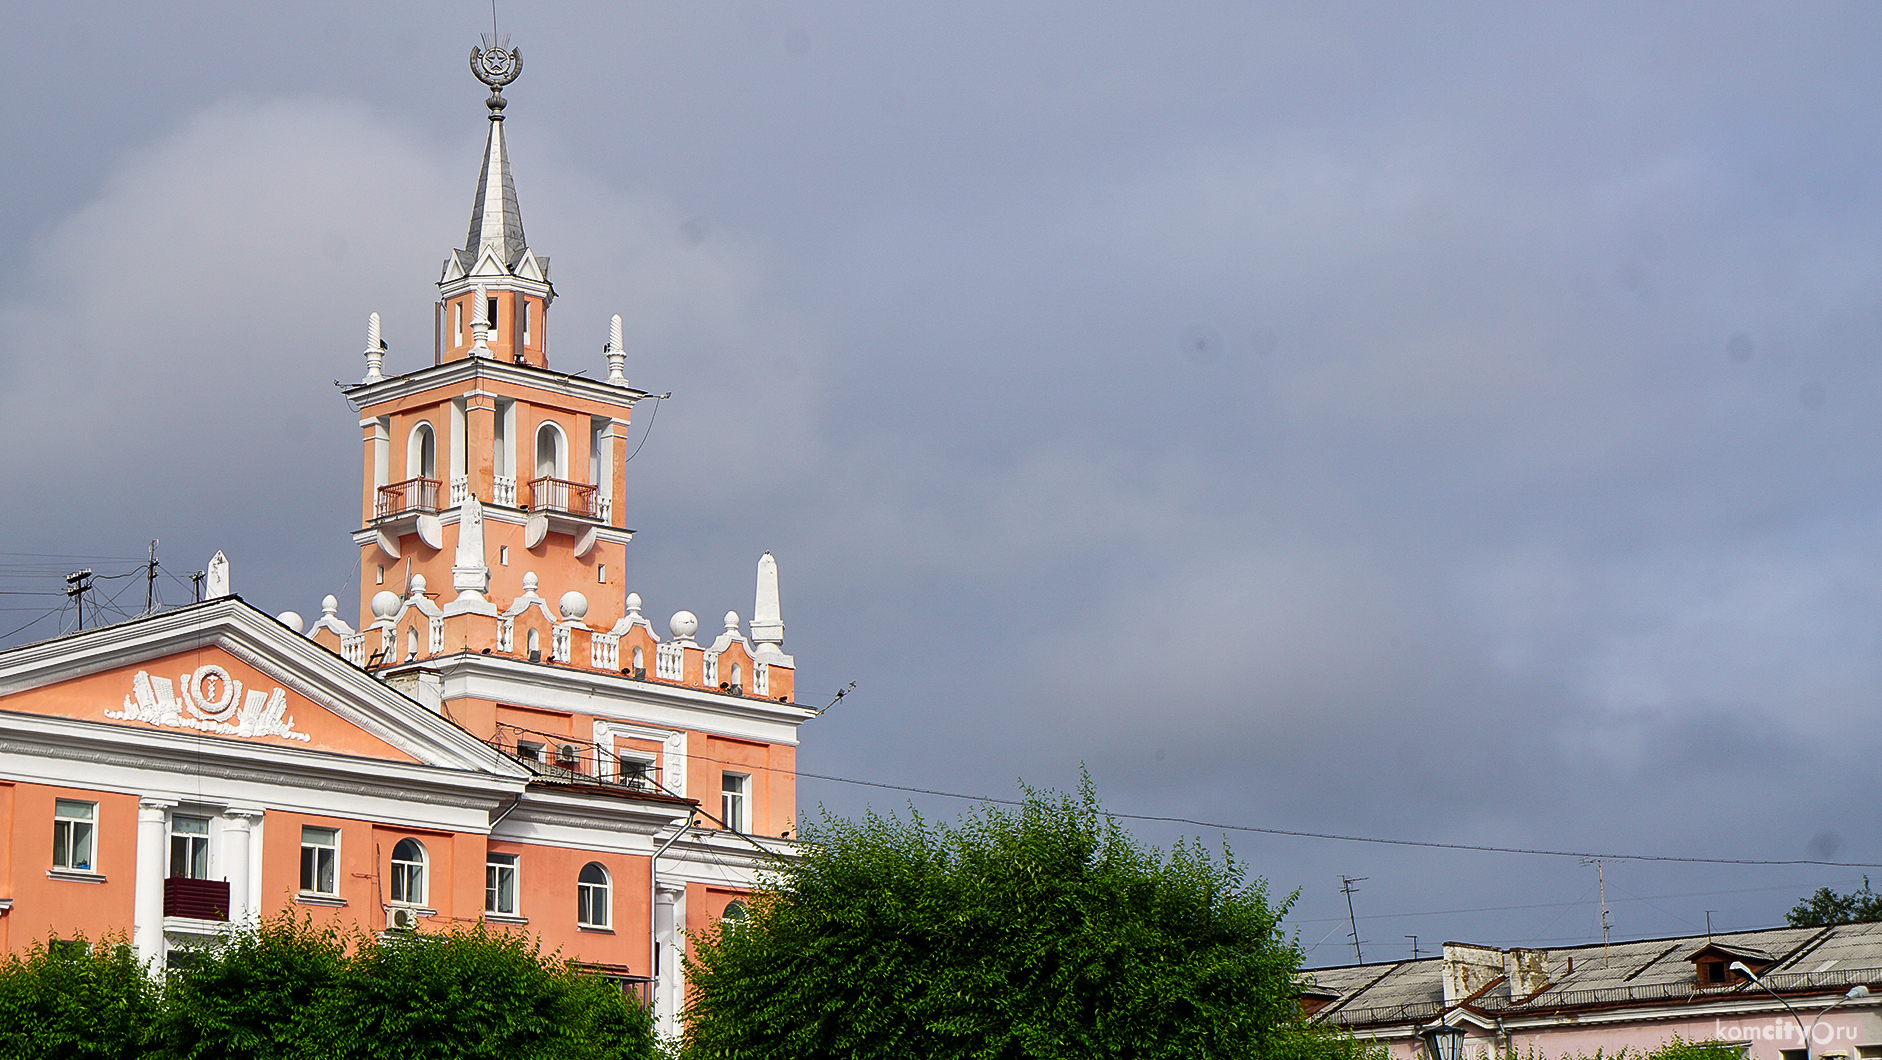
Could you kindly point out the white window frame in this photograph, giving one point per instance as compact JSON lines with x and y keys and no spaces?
{"x":591,"y":898}
{"x":735,"y":801}
{"x":67,"y":823}
{"x":331,"y":850}
{"x":496,"y":866}
{"x":648,"y":763}
{"x":192,"y":842}
{"x":403,"y":874}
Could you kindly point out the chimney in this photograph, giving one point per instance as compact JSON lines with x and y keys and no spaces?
{"x":1468,"y":969}
{"x":1528,"y":971}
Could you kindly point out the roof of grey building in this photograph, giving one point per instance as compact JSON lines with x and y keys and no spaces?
{"x":1643,"y":971}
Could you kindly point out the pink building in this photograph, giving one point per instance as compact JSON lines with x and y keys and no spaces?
{"x":1764,"y":991}
{"x":502,"y":738}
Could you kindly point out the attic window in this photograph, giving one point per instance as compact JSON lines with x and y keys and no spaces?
{"x":1714,"y":972}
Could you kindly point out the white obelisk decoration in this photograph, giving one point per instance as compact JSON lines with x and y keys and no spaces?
{"x":767,"y":617}
{"x":218,"y":577}
{"x":480,"y":324}
{"x":375,"y":350}
{"x":470,"y":576}
{"x":617,"y":357}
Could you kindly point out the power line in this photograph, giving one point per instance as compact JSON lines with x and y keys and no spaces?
{"x":1429,"y":844}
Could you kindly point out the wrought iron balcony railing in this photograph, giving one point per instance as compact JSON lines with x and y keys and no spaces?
{"x":412,"y":495}
{"x":562,"y":495}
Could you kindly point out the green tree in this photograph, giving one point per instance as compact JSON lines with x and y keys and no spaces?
{"x":1827,"y":907}
{"x":250,"y":996}
{"x":1041,"y":932}
{"x":65,"y":1000}
{"x":472,"y":993}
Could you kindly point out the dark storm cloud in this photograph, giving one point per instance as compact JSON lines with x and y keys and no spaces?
{"x":1450,"y":424}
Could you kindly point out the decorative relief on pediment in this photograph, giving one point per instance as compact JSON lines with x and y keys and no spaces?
{"x":208,"y":700}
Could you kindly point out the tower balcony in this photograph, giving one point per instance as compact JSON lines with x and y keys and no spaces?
{"x":558,"y":495}
{"x":414,"y":496}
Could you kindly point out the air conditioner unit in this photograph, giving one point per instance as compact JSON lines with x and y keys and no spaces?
{"x":401,"y":918}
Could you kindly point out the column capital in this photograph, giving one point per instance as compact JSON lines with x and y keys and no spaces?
{"x":242,"y":816}
{"x":152,"y":809}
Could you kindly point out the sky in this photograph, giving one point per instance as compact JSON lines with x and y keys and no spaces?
{"x":1442,"y":423}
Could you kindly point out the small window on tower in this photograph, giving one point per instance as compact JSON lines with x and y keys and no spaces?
{"x":490,"y":315}
{"x":601,"y":572}
{"x":457,"y":323}
{"x":379,"y":577}
{"x":503,"y":555}
{"x":525,"y":305}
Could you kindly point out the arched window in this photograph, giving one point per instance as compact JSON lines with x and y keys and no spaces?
{"x":734,"y":916}
{"x":408,"y":872}
{"x":535,"y":640}
{"x":411,"y":643}
{"x":551,"y":460}
{"x":640,"y":658}
{"x":591,"y":896}
{"x":738,"y":677}
{"x":421,"y":455}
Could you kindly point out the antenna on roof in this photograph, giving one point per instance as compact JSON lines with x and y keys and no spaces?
{"x":1414,"y":939}
{"x":1347,"y":888}
{"x":1601,"y":881}
{"x":1709,"y":913}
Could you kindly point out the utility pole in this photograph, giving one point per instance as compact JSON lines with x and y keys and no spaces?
{"x":196,"y":585}
{"x":150,"y":580}
{"x":1347,"y":888}
{"x":77,"y":584}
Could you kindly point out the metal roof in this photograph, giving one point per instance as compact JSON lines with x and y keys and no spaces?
{"x":1641,"y":972}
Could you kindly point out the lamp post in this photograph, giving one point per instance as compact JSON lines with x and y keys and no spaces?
{"x":1443,"y":1041}
{"x":1853,"y":994}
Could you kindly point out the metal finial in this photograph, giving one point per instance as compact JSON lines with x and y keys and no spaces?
{"x":496,"y":63}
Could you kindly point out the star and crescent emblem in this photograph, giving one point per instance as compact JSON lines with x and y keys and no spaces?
{"x":496,"y":63}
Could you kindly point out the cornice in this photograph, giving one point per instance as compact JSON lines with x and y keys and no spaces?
{"x":467,"y":369}
{"x":542,"y":685}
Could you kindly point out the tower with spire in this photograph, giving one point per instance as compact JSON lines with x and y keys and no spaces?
{"x":493,"y":550}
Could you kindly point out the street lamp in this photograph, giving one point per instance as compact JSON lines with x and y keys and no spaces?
{"x":1855,"y":993}
{"x":1444,"y":1042}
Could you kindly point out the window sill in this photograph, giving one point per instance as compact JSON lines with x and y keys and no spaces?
{"x":592,"y":930}
{"x":330,"y":901}
{"x":74,"y":875}
{"x":505,"y":918}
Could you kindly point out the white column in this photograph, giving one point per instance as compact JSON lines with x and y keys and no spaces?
{"x":235,"y":835}
{"x":147,"y":910}
{"x":666,"y":973}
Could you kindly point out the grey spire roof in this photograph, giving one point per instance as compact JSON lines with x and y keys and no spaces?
{"x":495,"y":219}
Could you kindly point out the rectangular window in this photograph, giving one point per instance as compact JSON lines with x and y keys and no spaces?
{"x":491,"y":319}
{"x":500,"y":884}
{"x":457,"y":323}
{"x":379,"y":575}
{"x":189,"y":847}
{"x":635,"y":772}
{"x":72,"y":824}
{"x":529,"y":752}
{"x":320,"y":860}
{"x":524,"y":303}
{"x":733,"y":799}
{"x":602,"y":573}
{"x":503,"y":555}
